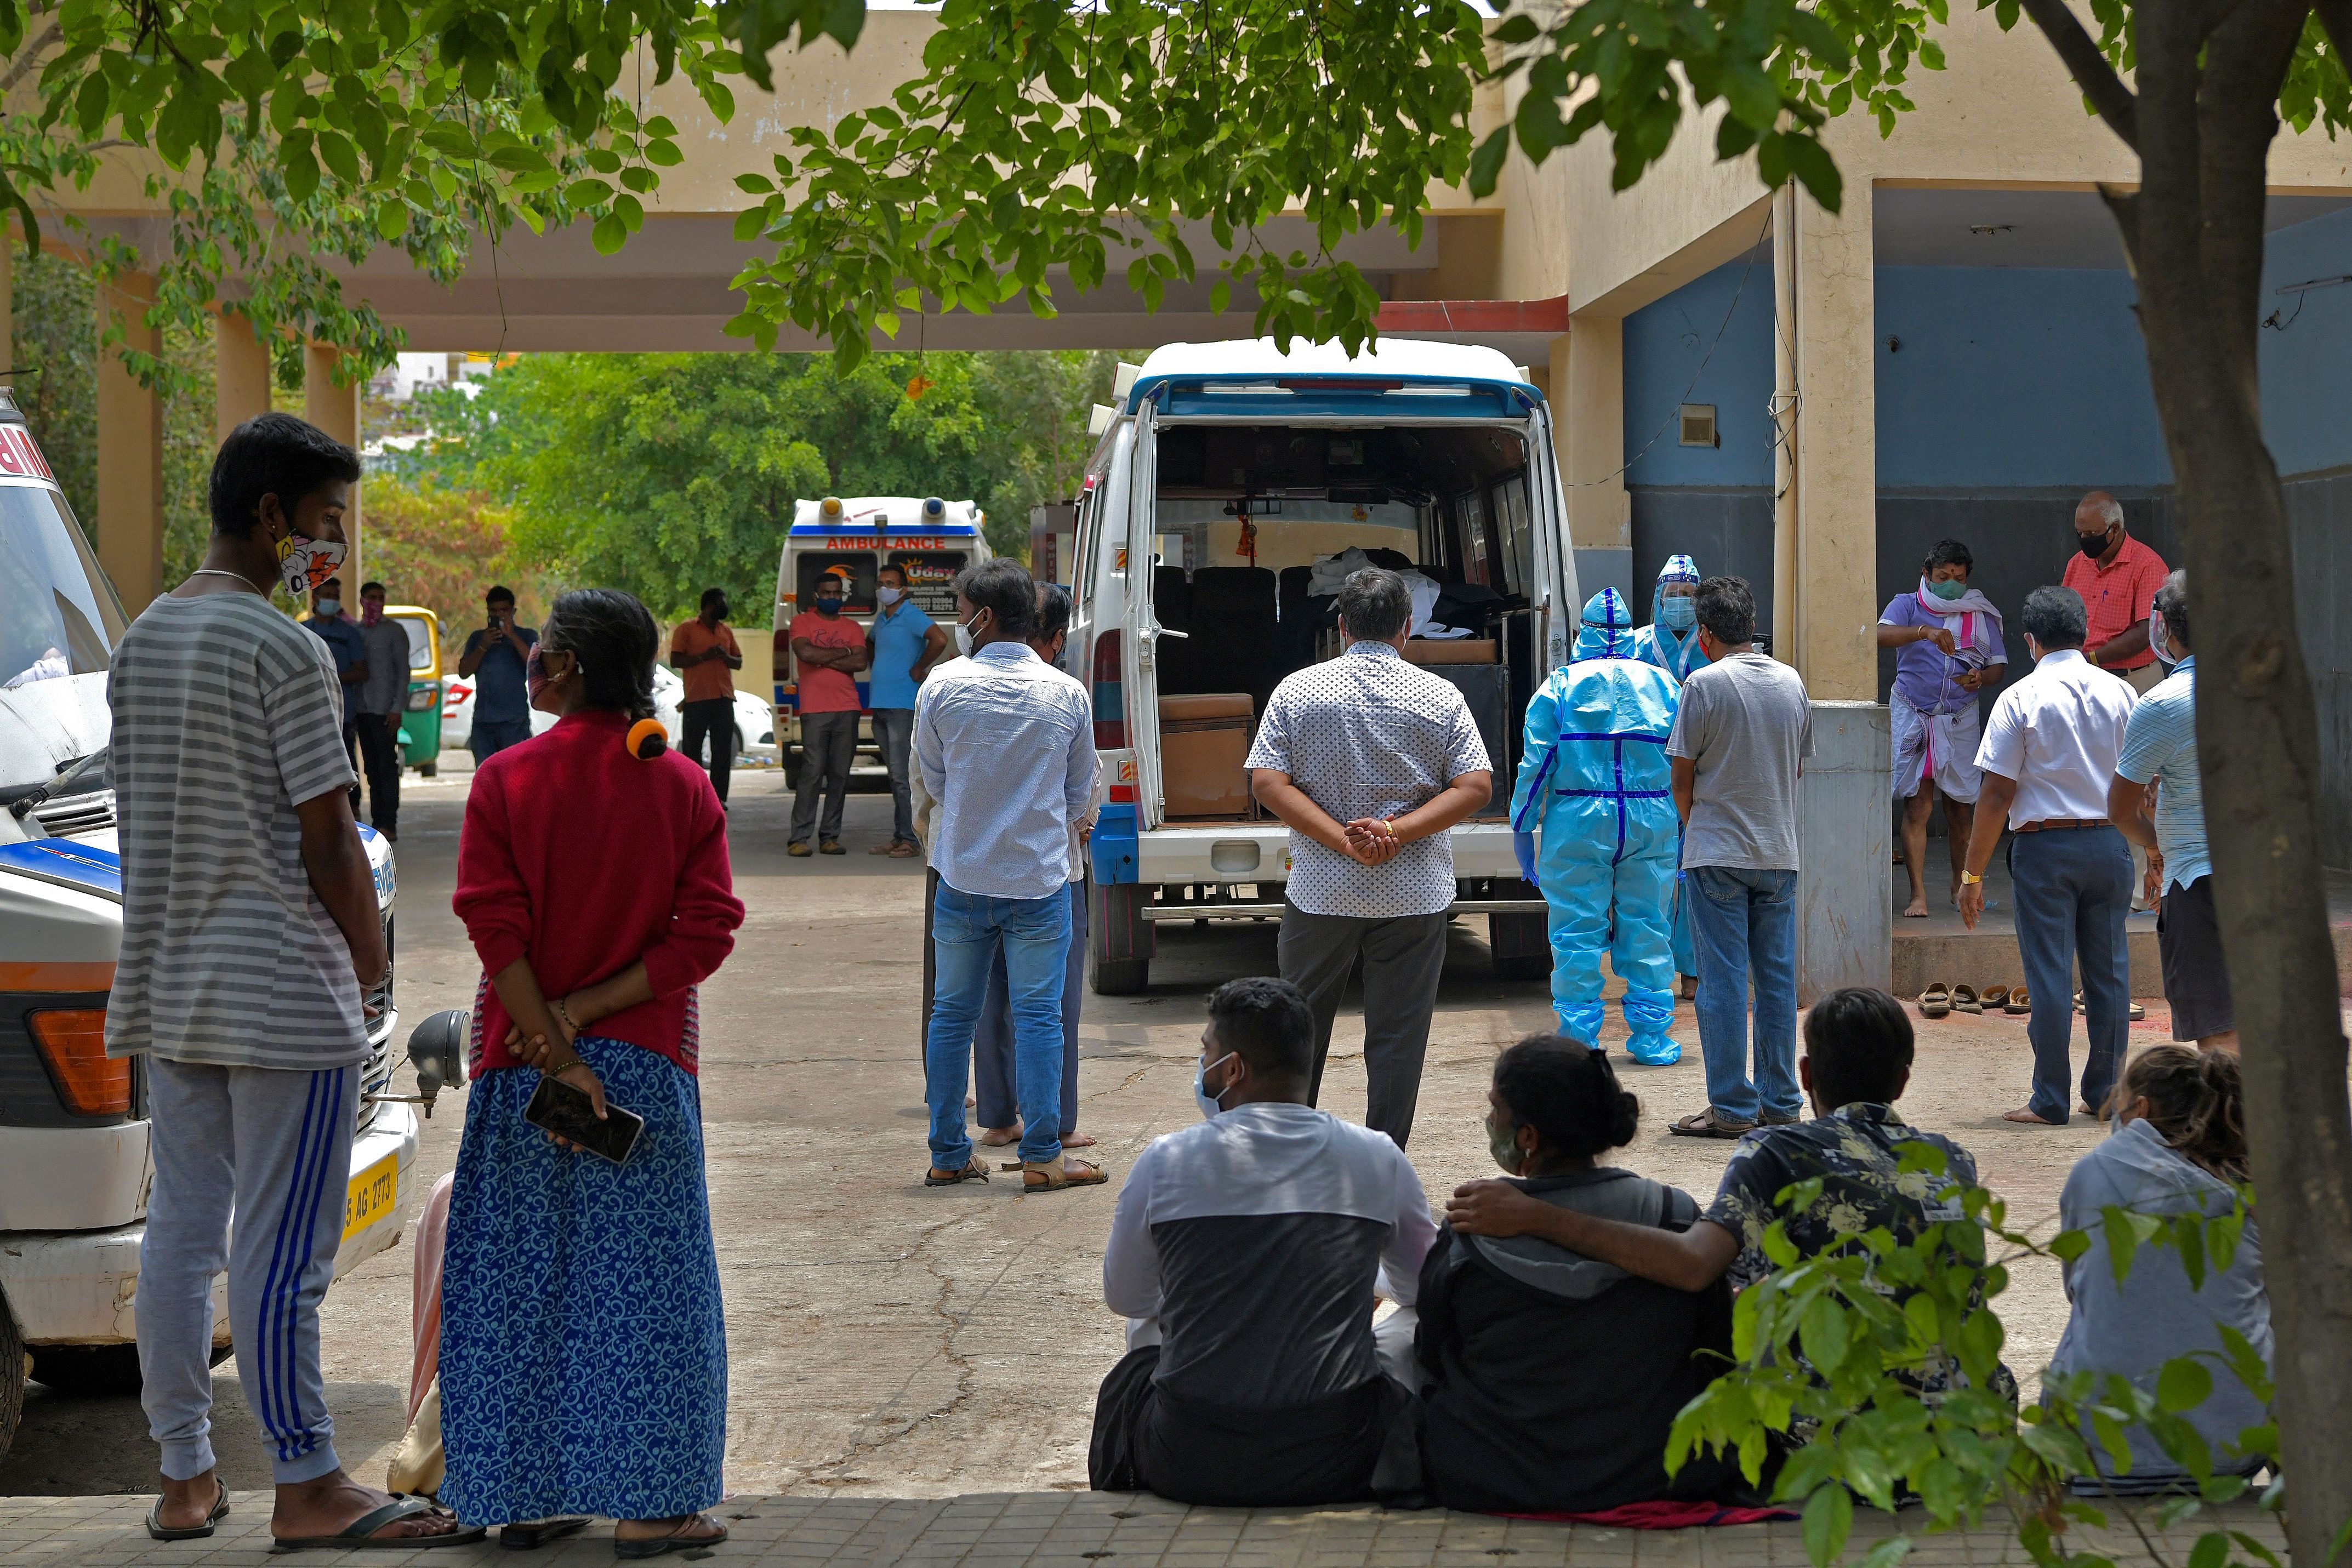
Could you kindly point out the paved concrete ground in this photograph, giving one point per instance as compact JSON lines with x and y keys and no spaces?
{"x":886,"y":1340}
{"x":1061,"y":1530}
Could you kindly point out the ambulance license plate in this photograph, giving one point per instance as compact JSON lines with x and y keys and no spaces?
{"x":370,"y":1196}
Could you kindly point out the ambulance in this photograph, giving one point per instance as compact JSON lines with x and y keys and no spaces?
{"x":75,"y":1168}
{"x":1229,"y":493}
{"x":932,"y":539}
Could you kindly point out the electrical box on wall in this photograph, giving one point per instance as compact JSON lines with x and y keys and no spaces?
{"x":1698,"y":425}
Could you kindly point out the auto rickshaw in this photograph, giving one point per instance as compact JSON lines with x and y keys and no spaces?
{"x":420,"y":724}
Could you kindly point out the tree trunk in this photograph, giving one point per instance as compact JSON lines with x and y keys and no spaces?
{"x":2194,"y":232}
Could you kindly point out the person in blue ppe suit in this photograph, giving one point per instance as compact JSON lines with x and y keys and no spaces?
{"x":1671,"y":641}
{"x":1594,"y":781}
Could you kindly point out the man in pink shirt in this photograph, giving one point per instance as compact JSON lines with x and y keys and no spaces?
{"x":2117,"y":577}
{"x":828,"y":649}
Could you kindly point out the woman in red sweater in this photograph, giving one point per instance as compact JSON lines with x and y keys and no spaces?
{"x":583,"y":1352}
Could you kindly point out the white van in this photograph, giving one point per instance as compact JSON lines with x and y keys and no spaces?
{"x":1231,"y":488}
{"x":932,"y":539}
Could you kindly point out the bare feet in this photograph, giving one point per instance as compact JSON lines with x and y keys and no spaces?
{"x":997,"y":1137}
{"x":1078,"y":1140}
{"x":2028,"y":1117}
{"x":311,"y":1510}
{"x":1918,"y":908}
{"x":188,"y":1503}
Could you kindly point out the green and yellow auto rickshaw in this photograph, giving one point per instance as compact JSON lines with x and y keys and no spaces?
{"x":420,"y":722}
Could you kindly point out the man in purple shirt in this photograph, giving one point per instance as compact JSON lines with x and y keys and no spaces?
{"x":1949,"y":644}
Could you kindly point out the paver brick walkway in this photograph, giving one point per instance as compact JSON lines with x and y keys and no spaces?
{"x":1042,"y":1530}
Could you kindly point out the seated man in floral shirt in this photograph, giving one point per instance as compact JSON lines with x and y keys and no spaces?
{"x":1856,"y":1064}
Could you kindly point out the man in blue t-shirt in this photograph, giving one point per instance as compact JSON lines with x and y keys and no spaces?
{"x":902,"y":646}
{"x":495,"y":658}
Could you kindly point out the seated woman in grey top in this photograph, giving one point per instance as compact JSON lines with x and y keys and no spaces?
{"x":2179,"y":1147}
{"x":1551,"y":1379}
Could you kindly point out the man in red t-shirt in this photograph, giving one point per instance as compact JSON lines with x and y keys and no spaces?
{"x":829,"y":648}
{"x":2117,"y":577}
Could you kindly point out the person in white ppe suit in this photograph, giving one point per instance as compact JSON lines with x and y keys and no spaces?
{"x":1594,"y":788}
{"x":1671,"y":641}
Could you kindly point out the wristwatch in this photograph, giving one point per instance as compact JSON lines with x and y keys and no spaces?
{"x":1969,"y":878}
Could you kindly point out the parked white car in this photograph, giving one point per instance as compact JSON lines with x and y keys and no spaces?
{"x":755,"y":723}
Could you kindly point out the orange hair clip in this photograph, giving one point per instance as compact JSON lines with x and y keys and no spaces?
{"x":647,"y":740}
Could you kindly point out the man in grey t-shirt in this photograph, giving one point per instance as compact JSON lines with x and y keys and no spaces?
{"x":376,"y":707}
{"x":249,"y":926}
{"x":1738,"y":746}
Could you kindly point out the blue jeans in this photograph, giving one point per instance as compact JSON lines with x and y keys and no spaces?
{"x":1744,"y":921}
{"x":968,"y":931}
{"x":2073,"y":887}
{"x":493,"y":735}
{"x":996,"y":1077}
{"x":895,"y":729}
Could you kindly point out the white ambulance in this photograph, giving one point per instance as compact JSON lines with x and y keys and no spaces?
{"x":1229,"y":492}
{"x":930,"y":538}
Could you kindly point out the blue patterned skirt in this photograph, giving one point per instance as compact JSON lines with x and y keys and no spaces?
{"x":583,"y":1348}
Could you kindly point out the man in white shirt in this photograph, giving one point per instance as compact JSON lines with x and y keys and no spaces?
{"x":1006,"y":745}
{"x":1247,"y":1254}
{"x":2048,"y":755}
{"x":1370,"y":762}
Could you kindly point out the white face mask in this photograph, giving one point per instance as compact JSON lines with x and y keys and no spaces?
{"x":2155,"y":639}
{"x":888,"y":596}
{"x":963,"y":633}
{"x":330,"y":608}
{"x":1208,"y":1101}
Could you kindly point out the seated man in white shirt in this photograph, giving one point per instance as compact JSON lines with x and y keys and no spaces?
{"x":1247,"y":1253}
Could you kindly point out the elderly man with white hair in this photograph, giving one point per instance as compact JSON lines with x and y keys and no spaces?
{"x":2118,"y":578}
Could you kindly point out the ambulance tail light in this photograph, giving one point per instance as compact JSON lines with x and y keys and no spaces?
{"x":73,"y":1041}
{"x":1110,"y":708}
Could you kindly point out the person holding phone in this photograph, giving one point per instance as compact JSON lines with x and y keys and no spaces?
{"x":584,"y":1355}
{"x":494,"y":659}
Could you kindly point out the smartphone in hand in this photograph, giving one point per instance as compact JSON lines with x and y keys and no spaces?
{"x":559,"y":1108}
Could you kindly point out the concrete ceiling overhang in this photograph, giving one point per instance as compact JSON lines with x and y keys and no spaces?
{"x":669,"y":289}
{"x":1986,"y":226}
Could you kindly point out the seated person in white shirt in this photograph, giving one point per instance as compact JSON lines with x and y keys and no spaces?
{"x":1247,"y":1253}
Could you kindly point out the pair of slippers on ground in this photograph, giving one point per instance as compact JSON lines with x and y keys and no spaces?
{"x":1942,"y":999}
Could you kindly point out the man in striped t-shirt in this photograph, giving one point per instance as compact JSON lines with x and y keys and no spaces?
{"x":249,"y":928}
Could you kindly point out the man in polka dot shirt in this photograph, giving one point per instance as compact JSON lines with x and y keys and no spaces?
{"x":1369,"y":761}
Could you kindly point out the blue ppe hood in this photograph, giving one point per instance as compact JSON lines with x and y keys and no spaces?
{"x":1607,"y":632}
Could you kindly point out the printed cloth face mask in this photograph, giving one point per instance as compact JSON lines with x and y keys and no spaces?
{"x":305,"y":563}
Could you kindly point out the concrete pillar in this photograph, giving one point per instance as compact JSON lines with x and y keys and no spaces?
{"x":1825,"y":573}
{"x":240,"y":375}
{"x":129,"y":451}
{"x":336,"y":411}
{"x":1587,"y":380}
{"x":1824,"y":271}
{"x":8,"y":299}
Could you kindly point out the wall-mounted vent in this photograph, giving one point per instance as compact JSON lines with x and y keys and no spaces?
{"x":1698,"y":425}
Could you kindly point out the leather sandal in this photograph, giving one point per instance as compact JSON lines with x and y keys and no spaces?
{"x":972,"y":1171}
{"x":1710,"y":1123}
{"x":709,"y":1533}
{"x":1965,"y":999}
{"x":1936,"y":1001}
{"x":1994,"y":997}
{"x":2020,"y":1004}
{"x":1051,"y":1176}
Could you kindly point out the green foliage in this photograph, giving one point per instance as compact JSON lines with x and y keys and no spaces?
{"x":667,"y":474}
{"x":1875,"y":1372}
{"x":1118,"y":134}
{"x":441,"y":547}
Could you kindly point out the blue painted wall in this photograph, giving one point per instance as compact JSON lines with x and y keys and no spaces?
{"x":1666,"y":343}
{"x":2005,"y":378}
{"x":2010,"y":377}
{"x":2306,"y":361}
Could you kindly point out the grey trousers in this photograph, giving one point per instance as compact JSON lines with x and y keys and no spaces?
{"x":828,"y":742}
{"x":274,"y":1148}
{"x":1402,"y":958}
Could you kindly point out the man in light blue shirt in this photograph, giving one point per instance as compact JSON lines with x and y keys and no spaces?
{"x":1007,"y":749}
{"x":902,"y":646}
{"x":2160,"y":744}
